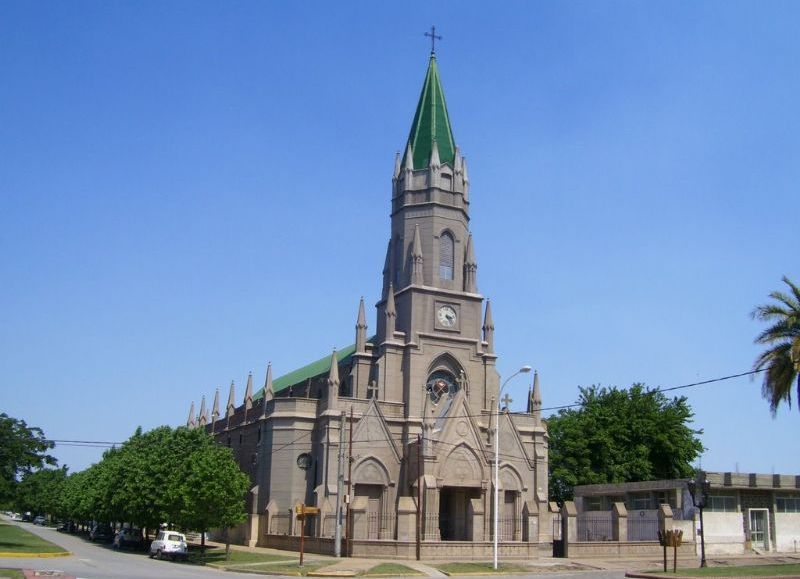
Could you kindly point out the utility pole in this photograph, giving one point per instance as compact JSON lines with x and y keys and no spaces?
{"x":339,"y":490}
{"x":419,"y":496}
{"x":348,"y":549}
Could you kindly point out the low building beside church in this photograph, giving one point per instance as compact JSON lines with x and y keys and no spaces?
{"x":414,"y":404}
{"x":745,"y":512}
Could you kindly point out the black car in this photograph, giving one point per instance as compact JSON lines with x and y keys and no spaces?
{"x":66,"y":527}
{"x":101,"y":533}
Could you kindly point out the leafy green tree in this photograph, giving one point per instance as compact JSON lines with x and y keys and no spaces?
{"x":617,"y":436}
{"x":40,"y":491}
{"x":782,"y":359}
{"x":74,"y":496}
{"x":180,"y":476}
{"x":143,"y":474}
{"x":22,"y":449}
{"x":210,"y":488}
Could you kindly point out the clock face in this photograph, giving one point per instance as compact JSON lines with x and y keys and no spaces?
{"x":446,"y":316}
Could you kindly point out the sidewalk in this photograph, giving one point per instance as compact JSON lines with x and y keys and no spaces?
{"x":633,"y":567}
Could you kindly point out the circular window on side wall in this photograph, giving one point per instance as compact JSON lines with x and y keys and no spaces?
{"x":440,"y":385}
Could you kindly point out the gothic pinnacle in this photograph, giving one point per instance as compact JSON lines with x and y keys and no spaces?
{"x":536,"y":405}
{"x":231,"y":407}
{"x":190,"y":419}
{"x":361,"y":328}
{"x":408,"y":163}
{"x":268,"y":392}
{"x":203,"y":417}
{"x":397,"y":161}
{"x":248,"y":392}
{"x":470,"y":267}
{"x":416,"y":259}
{"x":434,"y":163}
{"x":215,"y":407}
{"x":333,"y":373}
{"x":488,"y":328}
{"x":333,"y":382}
{"x":391,"y":313}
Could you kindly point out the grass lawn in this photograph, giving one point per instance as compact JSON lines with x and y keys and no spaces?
{"x":480,"y":568}
{"x":278,"y":568}
{"x":14,"y":539}
{"x":11,"y":573}
{"x":733,"y":571}
{"x":391,"y":569}
{"x":216,"y":556}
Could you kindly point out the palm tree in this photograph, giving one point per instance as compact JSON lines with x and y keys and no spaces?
{"x":782,"y":359}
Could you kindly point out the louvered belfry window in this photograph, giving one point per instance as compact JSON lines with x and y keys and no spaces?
{"x":446,"y":251}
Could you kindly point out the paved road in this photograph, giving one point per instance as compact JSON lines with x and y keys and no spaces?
{"x":92,"y":561}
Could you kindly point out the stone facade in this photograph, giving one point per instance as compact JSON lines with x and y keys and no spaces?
{"x":415,"y":404}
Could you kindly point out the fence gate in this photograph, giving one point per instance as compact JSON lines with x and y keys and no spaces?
{"x":643,"y":526}
{"x":558,"y":541}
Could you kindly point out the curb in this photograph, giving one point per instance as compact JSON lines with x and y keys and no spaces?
{"x":17,"y":555}
{"x":637,"y":575}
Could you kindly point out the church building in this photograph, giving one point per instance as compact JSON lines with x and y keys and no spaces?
{"x":399,"y":428}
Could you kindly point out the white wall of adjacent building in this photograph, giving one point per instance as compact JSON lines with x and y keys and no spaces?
{"x":787,"y":532}
{"x":724,"y":533}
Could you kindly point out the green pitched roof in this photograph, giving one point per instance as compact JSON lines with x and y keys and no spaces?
{"x":321,"y":366}
{"x":431,"y":122}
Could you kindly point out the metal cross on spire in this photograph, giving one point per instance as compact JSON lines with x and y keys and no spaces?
{"x":434,"y":37}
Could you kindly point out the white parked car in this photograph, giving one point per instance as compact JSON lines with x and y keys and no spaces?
{"x":169,"y":544}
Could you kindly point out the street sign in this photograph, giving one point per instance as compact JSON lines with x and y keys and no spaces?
{"x":306,"y":510}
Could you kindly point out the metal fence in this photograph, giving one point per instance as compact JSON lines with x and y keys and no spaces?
{"x":430,"y":526}
{"x":329,"y":525}
{"x":507,"y":527}
{"x":380,"y":526}
{"x":643,"y":526}
{"x":595,"y":526}
{"x":280,"y":524}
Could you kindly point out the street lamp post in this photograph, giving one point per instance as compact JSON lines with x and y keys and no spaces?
{"x":523,"y":370}
{"x":700,"y":501}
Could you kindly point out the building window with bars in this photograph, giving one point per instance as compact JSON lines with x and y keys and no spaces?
{"x":787,"y":504}
{"x":721,"y":504}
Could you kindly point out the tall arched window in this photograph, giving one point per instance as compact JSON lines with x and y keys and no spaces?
{"x":446,"y":251}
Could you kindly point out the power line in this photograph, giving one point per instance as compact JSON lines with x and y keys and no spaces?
{"x":107,"y":444}
{"x":85,"y":443}
{"x":670,"y":389}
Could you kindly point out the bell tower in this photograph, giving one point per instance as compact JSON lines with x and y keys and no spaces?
{"x":430,"y":309}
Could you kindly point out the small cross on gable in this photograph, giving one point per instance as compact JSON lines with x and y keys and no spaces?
{"x":506,"y":400}
{"x":372,"y":390}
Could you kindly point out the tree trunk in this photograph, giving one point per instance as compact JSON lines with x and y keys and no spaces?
{"x":227,"y":545}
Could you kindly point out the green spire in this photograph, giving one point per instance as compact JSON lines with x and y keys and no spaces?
{"x":431,"y":122}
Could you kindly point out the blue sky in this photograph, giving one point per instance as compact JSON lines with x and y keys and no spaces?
{"x":189,"y":190}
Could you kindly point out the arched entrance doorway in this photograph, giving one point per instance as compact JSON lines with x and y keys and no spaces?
{"x":461,"y":483}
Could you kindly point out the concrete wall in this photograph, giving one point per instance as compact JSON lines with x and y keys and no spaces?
{"x":452,"y":550}
{"x":588,"y":549}
{"x":724,"y":533}
{"x":787,"y":532}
